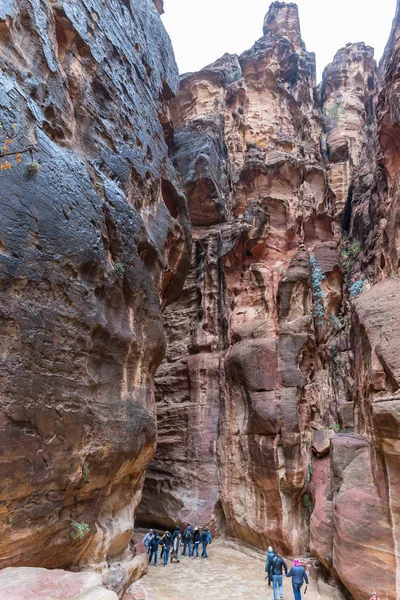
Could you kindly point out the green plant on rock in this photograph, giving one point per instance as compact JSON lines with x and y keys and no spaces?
{"x":335,"y":427}
{"x":79,"y":530}
{"x":33,"y":168}
{"x":119,"y":268}
{"x":317,"y":277}
{"x":331,"y":116}
{"x":85,"y":473}
{"x":307,"y":502}
{"x":310,"y":470}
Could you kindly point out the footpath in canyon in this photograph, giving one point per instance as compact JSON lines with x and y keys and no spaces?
{"x":231,"y":573}
{"x":199,"y":302}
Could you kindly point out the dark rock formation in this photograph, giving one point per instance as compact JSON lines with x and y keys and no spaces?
{"x":91,"y":240}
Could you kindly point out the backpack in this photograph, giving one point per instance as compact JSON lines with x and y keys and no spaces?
{"x":187,"y":536}
{"x":209,"y":537}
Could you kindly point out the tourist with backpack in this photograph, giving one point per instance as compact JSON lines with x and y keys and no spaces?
{"x":187,"y":540}
{"x":153,"y":548}
{"x":196,"y":542}
{"x":206,"y":538}
{"x":298,"y":575}
{"x":275,"y":572}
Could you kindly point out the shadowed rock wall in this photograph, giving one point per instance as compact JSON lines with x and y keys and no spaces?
{"x":90,"y":245}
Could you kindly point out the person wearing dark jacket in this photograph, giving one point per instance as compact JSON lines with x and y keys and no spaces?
{"x":298,"y":575}
{"x":196,"y":542}
{"x":153,"y":548}
{"x":205,"y":540}
{"x":275,"y":572}
{"x":166,"y":542}
{"x":177,"y":530}
{"x":270,"y":556}
{"x":187,"y":540}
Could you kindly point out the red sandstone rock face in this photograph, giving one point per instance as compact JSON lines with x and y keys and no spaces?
{"x":273,"y":359}
{"x":234,"y":394}
{"x":89,"y":246}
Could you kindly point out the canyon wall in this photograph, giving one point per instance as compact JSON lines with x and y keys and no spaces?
{"x":94,"y":238}
{"x":278,"y":420}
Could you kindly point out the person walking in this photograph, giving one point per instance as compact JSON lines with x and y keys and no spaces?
{"x":269,"y":558}
{"x":176,"y":531}
{"x":275,"y":573}
{"x":206,"y":538}
{"x":153,"y":548}
{"x":167,"y":543}
{"x":196,"y":542}
{"x":187,"y":540}
{"x":176,"y":548}
{"x":147,"y":539}
{"x":298,"y":575}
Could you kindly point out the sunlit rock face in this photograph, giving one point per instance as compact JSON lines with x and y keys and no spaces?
{"x":92,"y":241}
{"x":277,"y":399}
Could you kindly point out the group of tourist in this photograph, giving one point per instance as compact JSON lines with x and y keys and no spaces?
{"x":173,"y":543}
{"x":274,"y":567}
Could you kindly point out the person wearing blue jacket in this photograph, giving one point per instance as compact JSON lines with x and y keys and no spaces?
{"x":268,"y":561}
{"x":298,"y":575}
{"x":205,"y":540}
{"x":166,"y":543}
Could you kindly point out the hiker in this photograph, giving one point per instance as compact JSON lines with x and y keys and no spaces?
{"x":166,"y":541}
{"x":374,"y":596}
{"x":187,"y":540}
{"x":275,"y":573}
{"x":270,"y":556}
{"x":176,"y":532}
{"x":298,"y":574}
{"x":196,"y":542}
{"x":176,"y":548}
{"x":153,"y":548}
{"x":147,"y":539}
{"x":206,"y":538}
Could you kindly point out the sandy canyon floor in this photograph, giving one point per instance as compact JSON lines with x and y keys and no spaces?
{"x":231,"y":572}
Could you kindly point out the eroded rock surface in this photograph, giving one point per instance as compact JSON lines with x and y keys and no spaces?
{"x":92,"y":241}
{"x":277,"y":401}
{"x":24,"y":583}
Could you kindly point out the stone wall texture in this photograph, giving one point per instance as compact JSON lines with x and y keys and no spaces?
{"x":209,"y":264}
{"x":277,"y":406}
{"x":93,"y":242}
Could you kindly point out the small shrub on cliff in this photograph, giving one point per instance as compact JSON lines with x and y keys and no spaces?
{"x":8,"y":154}
{"x":331,"y":116}
{"x":79,"y":530}
{"x":310,"y":470}
{"x":335,"y":427}
{"x":85,"y":473}
{"x":356,"y":288}
{"x":317,"y":277}
{"x":33,"y":168}
{"x":307,"y":502}
{"x":119,"y":268}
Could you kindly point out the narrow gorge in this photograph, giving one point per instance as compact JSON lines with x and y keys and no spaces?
{"x":199,"y":299}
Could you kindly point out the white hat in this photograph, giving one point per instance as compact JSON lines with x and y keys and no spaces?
{"x":270,"y":549}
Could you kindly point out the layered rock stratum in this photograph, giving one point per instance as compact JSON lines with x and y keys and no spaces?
{"x":223,"y":249}
{"x":278,"y":419}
